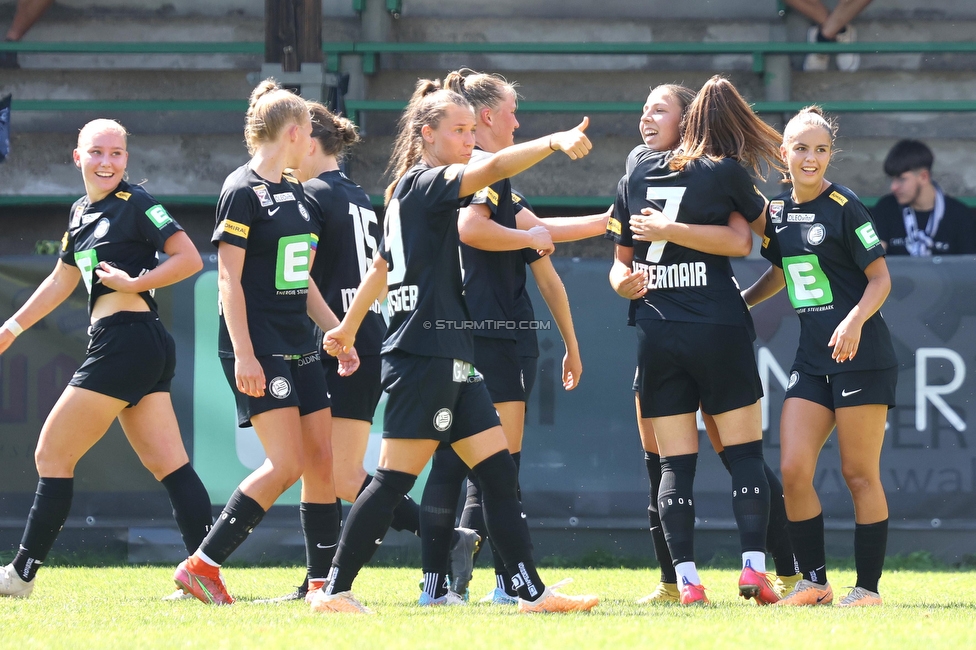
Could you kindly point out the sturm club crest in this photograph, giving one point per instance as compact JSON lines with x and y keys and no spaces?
{"x":816,"y":234}
{"x":794,"y":377}
{"x":279,"y":388}
{"x":101,"y":229}
{"x":443,"y":419}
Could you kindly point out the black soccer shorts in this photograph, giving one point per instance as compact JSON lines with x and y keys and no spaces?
{"x":293,"y":380}
{"x":129,"y":356}
{"x":434,"y":398}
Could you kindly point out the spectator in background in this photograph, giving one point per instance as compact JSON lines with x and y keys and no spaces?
{"x":830,"y":27}
{"x":26,"y":14}
{"x":917,"y":218}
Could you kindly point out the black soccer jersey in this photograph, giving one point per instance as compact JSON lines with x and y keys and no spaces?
{"x":526,"y":339}
{"x":684,"y":284}
{"x":270,"y":221}
{"x":493,"y":280}
{"x":127,"y":229}
{"x":428,"y":314}
{"x":823,"y":247}
{"x":349,"y":235}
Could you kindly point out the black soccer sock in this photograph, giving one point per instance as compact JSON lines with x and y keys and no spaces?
{"x":366,"y":482}
{"x":320,"y":527}
{"x":653,"y":463}
{"x":407,"y":514}
{"x":235,"y":523}
{"x":676,"y":505}
{"x":438,"y":510}
{"x":517,"y":457}
{"x":870,"y":543}
{"x":435,"y":584}
{"x":777,"y":536}
{"x":191,"y":505}
{"x":473,"y":517}
{"x":367,"y":524}
{"x":750,"y":494}
{"x":52,"y":501}
{"x":722,"y":456}
{"x":506,"y":525}
{"x":807,"y":537}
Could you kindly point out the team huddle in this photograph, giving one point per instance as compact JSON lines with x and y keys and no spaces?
{"x":304,"y":265}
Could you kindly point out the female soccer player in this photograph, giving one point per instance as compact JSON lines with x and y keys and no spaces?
{"x":436,"y":395}
{"x":659,"y":127}
{"x":825,"y":251}
{"x":499,"y":236}
{"x":349,"y":235}
{"x":114,"y":235}
{"x":695,"y":344}
{"x":265,"y":245}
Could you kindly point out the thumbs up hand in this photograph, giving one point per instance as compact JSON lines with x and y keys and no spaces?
{"x":573,"y":143}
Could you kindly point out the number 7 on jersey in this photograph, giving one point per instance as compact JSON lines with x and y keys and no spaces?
{"x":672,"y":201}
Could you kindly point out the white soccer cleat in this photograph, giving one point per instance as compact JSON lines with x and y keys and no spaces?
{"x":179,"y":594}
{"x":450,"y":598}
{"x":11,"y":584}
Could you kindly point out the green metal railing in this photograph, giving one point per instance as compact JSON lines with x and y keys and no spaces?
{"x":759,"y":50}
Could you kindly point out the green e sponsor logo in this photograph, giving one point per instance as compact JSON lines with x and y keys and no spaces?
{"x":868,"y":237}
{"x":806,"y":282}
{"x":159,"y":216}
{"x":86,"y":261}
{"x":291,"y":269}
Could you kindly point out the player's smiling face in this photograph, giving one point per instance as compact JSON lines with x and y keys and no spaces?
{"x":101,"y":156}
{"x":660,"y":121}
{"x":806,"y":152}
{"x":453,"y":139}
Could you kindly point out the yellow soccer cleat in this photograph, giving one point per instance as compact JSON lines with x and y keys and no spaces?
{"x":783,"y":585}
{"x":664,"y":592}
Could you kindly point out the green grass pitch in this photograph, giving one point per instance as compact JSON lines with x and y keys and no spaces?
{"x":121,"y":608}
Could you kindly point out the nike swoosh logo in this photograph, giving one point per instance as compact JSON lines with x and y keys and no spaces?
{"x":329,"y":546}
{"x":271,"y":212}
{"x":379,"y":541}
{"x":780,"y":229}
{"x":845,"y":393}
{"x":820,"y":598}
